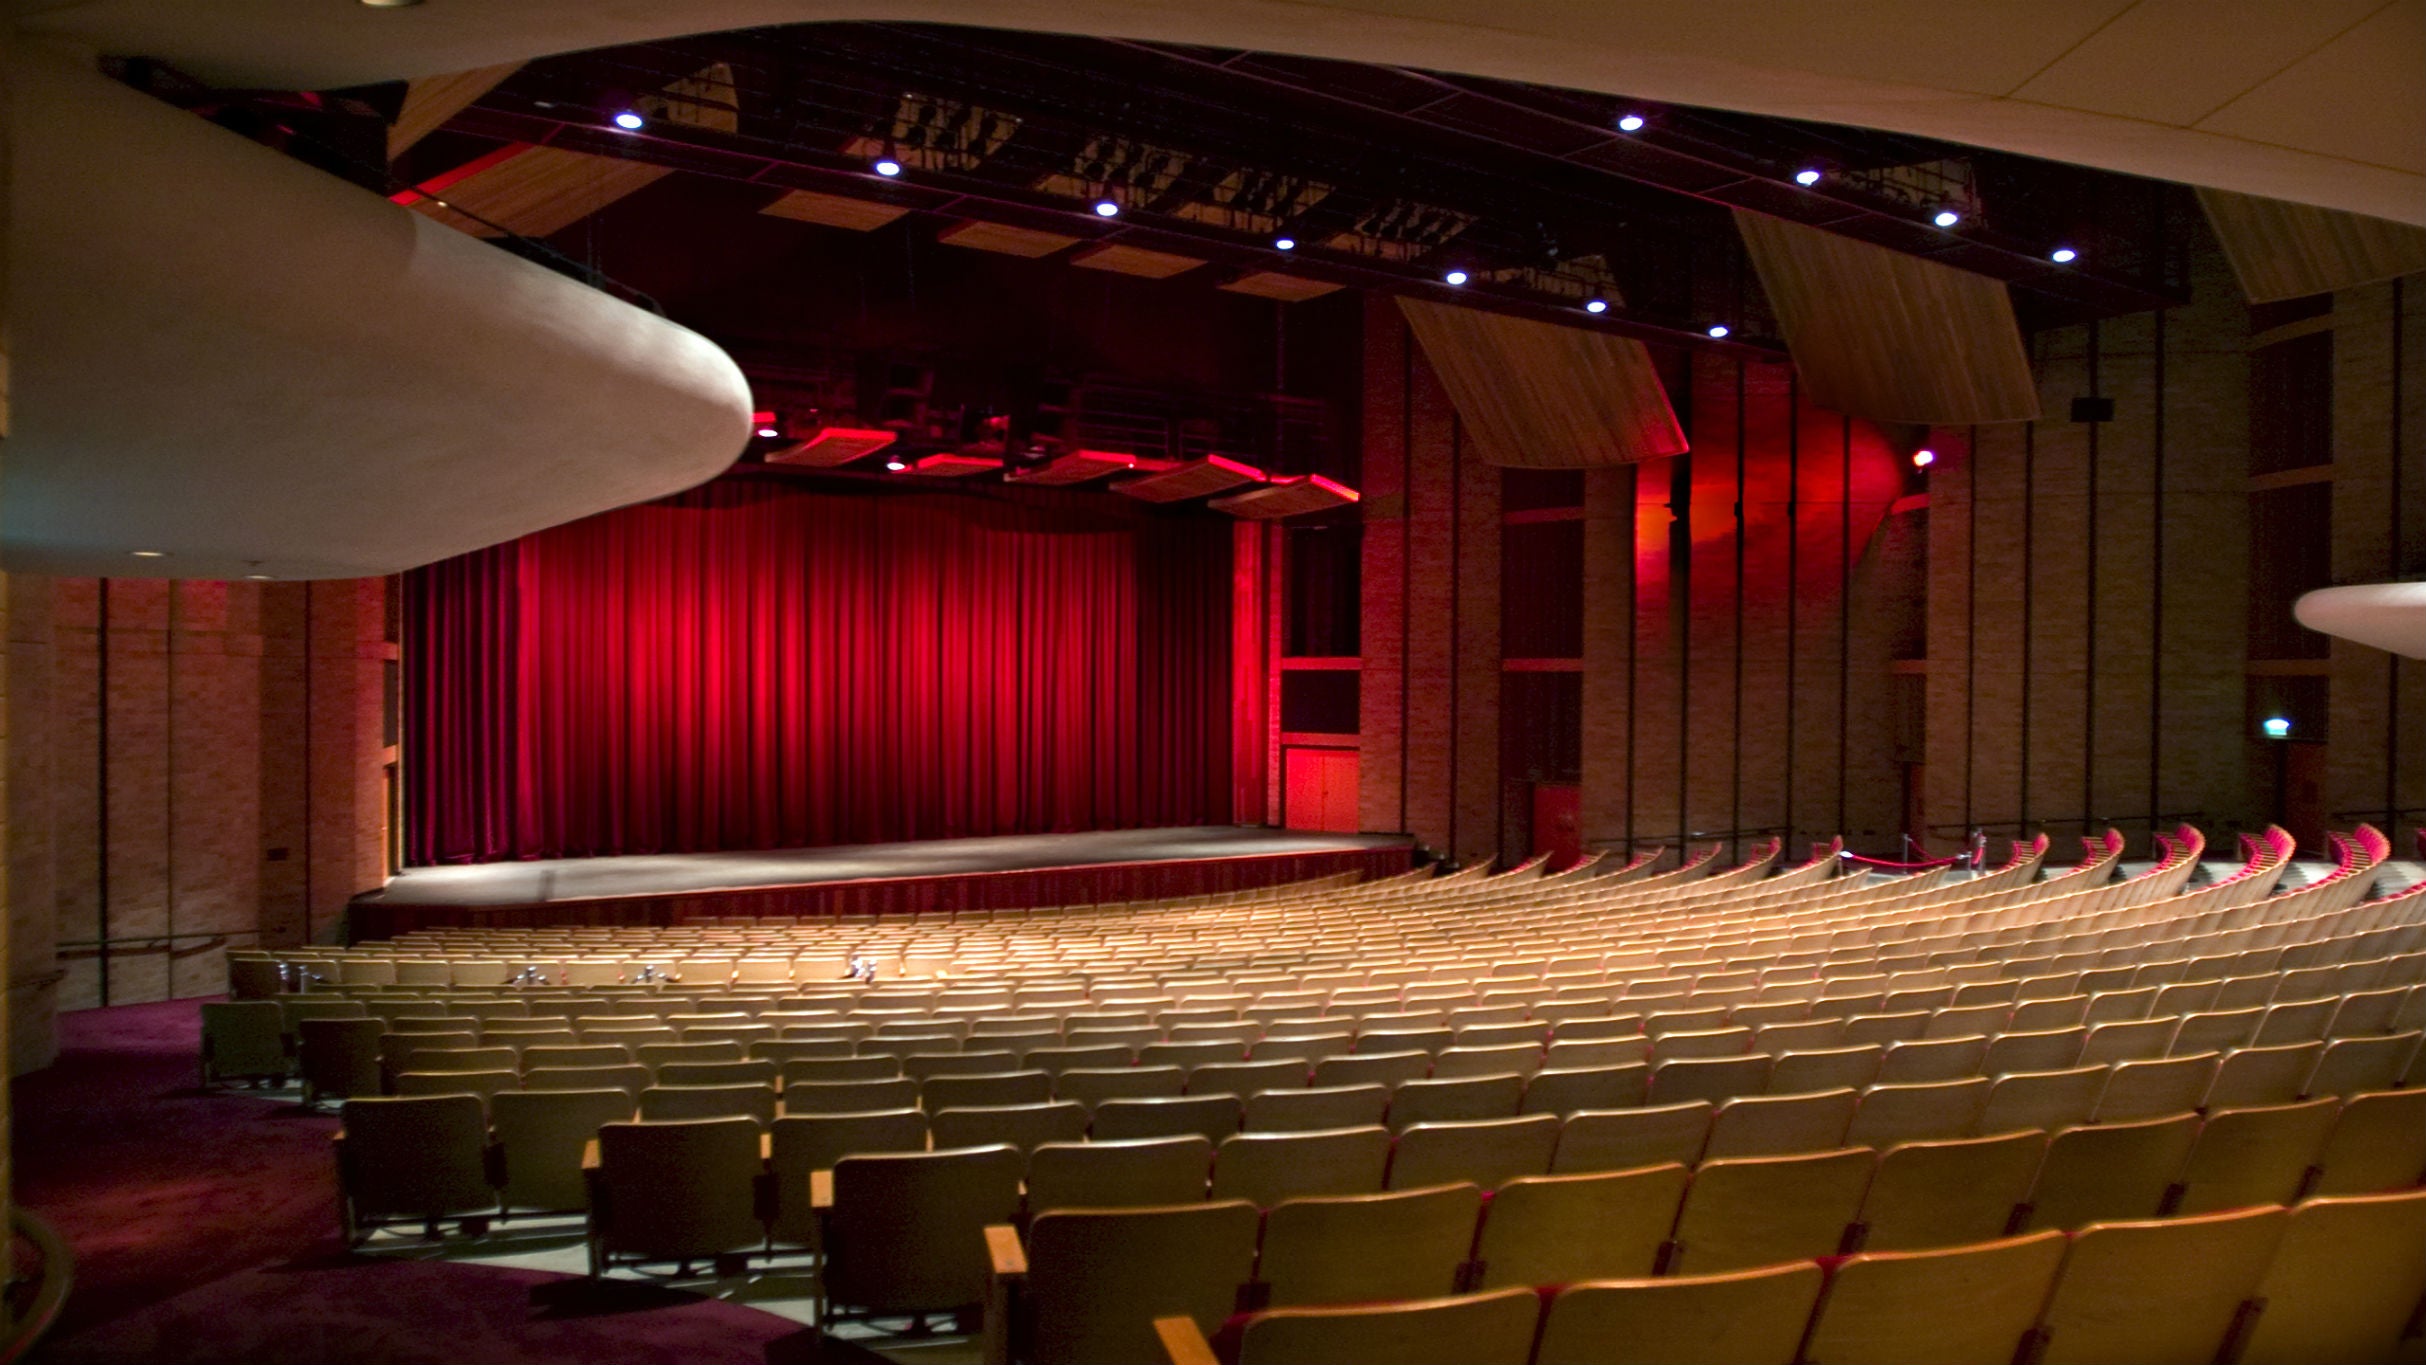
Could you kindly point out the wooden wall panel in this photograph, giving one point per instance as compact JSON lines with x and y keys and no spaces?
{"x":1887,"y":336}
{"x":430,"y":101}
{"x":1538,"y":396}
{"x":2287,"y":251}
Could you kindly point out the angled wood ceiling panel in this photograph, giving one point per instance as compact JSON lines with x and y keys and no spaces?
{"x":1891,"y":337}
{"x":1539,"y":396}
{"x":430,"y":101}
{"x":2283,"y":250}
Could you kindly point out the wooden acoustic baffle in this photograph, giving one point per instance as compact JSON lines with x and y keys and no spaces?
{"x":534,"y":191}
{"x":1894,"y":338}
{"x":2288,"y":251}
{"x":1535,"y":395}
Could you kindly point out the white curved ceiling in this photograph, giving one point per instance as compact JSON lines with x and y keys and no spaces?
{"x":236,"y":364}
{"x":2388,"y":616}
{"x":2316,"y":101}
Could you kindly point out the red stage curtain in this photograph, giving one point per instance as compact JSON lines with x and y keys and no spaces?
{"x":757,"y":665}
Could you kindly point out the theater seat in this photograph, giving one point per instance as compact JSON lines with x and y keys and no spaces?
{"x":1960,"y":1306}
{"x":1747,"y":1317}
{"x":1557,"y":1229}
{"x":1470,"y":1329}
{"x":1094,"y":1280}
{"x":1367,"y":1248}
{"x":1266,"y":1168}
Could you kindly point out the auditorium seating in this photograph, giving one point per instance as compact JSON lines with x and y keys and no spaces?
{"x":1808,"y":1066}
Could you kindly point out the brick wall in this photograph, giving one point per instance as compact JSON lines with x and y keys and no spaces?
{"x":167,"y":783}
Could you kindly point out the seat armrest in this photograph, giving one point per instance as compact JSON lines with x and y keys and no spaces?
{"x":821,"y":1191}
{"x":1010,"y":1259}
{"x":1009,"y":1266}
{"x":1183,"y":1343}
{"x":589,"y":1155}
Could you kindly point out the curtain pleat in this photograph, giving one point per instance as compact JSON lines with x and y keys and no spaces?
{"x":751,"y":666}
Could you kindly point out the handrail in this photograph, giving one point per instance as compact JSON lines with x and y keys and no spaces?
{"x":34,"y":1301}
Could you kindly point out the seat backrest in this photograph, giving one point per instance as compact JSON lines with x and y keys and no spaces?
{"x":1024,"y":1126}
{"x":1379,"y":1068}
{"x":2165,"y":1289}
{"x":2345,"y":1281}
{"x":658,"y":1054}
{"x":2378,"y":1143}
{"x":1468,"y":1329}
{"x":1563,"y":1091}
{"x":1969,"y":1303}
{"x":2127,"y":1040}
{"x":1056,"y":1060}
{"x":1708,"y":1078}
{"x":753,"y":1102}
{"x":2258,"y":1155}
{"x":479,"y":1084}
{"x":1092,"y":1086}
{"x":631,"y":1078}
{"x":1319,"y":1107}
{"x":2217,"y":1030}
{"x":1212,"y":1117}
{"x":2152,"y":1088}
{"x":717,"y":1073}
{"x":414,"y":1155}
{"x":1134,"y":1173}
{"x":1460,"y":1098}
{"x":907,"y":1230}
{"x":1520,"y":1059}
{"x":1409,"y":1244}
{"x":1776,"y":1125}
{"x":244,"y":1038}
{"x":2045,"y":1100}
{"x":825,"y":1070}
{"x":2262,"y":1075}
{"x":2052,"y":1049}
{"x":2111,"y":1171}
{"x":1938,"y":1194}
{"x":2352,"y":1066}
{"x":540,"y":1136}
{"x":1933,"y":1059}
{"x":1798,"y":1073}
{"x":1245,"y":1078}
{"x":678,"y":1190}
{"x":849,"y":1097}
{"x":920,"y":1066}
{"x":938,"y":1093}
{"x":1484,"y":1152}
{"x":1557,"y":1229}
{"x":1266,"y":1168}
{"x":1568,"y":1054}
{"x":1622,"y":1139}
{"x":540,"y":1055}
{"x":1745,"y":1317}
{"x":1098,"y":1278}
{"x":1925,"y":1111}
{"x":1748,"y":1211}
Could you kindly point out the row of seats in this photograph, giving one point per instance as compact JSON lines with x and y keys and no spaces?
{"x":2333,"y":1280}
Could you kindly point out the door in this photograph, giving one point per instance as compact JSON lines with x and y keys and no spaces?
{"x":1318,"y":789}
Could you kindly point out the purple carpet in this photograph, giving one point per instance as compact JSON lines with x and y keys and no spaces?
{"x":205,"y":1230}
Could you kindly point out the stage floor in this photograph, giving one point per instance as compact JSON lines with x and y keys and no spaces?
{"x":582,"y":879}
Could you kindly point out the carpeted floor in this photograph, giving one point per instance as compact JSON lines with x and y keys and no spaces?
{"x":204,"y":1229}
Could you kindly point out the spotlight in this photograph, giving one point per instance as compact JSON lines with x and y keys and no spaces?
{"x":1923,"y":458}
{"x":149,"y":554}
{"x":886,"y":167}
{"x":1631,"y":123}
{"x":896,"y":464}
{"x":261,"y":578}
{"x":2278,"y":727}
{"x":1947,"y":218}
{"x":1455,"y":277}
{"x":1806,"y":176}
{"x":2063,"y":255}
{"x":629,"y":122}
{"x":1717,"y":330}
{"x":1284,"y":244}
{"x":768,"y":433}
{"x":1105,"y":208}
{"x":1596,"y":305}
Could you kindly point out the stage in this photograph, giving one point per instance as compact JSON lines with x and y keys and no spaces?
{"x":933,"y":874}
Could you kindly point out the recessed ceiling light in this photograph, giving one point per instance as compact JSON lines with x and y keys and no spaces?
{"x":1455,"y":277}
{"x":769,"y":433}
{"x":149,"y":554}
{"x":895,"y":464}
{"x":1923,"y":458}
{"x":2063,"y":255}
{"x":1105,"y":208}
{"x":264,"y":577}
{"x":1284,"y":244}
{"x":1631,"y":123}
{"x":1717,"y":330}
{"x":1596,"y":305}
{"x":1947,"y":218}
{"x":1807,"y":176}
{"x":629,"y":121}
{"x":886,"y":167}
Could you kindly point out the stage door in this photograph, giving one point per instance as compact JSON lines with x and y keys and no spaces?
{"x":1319,"y":789}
